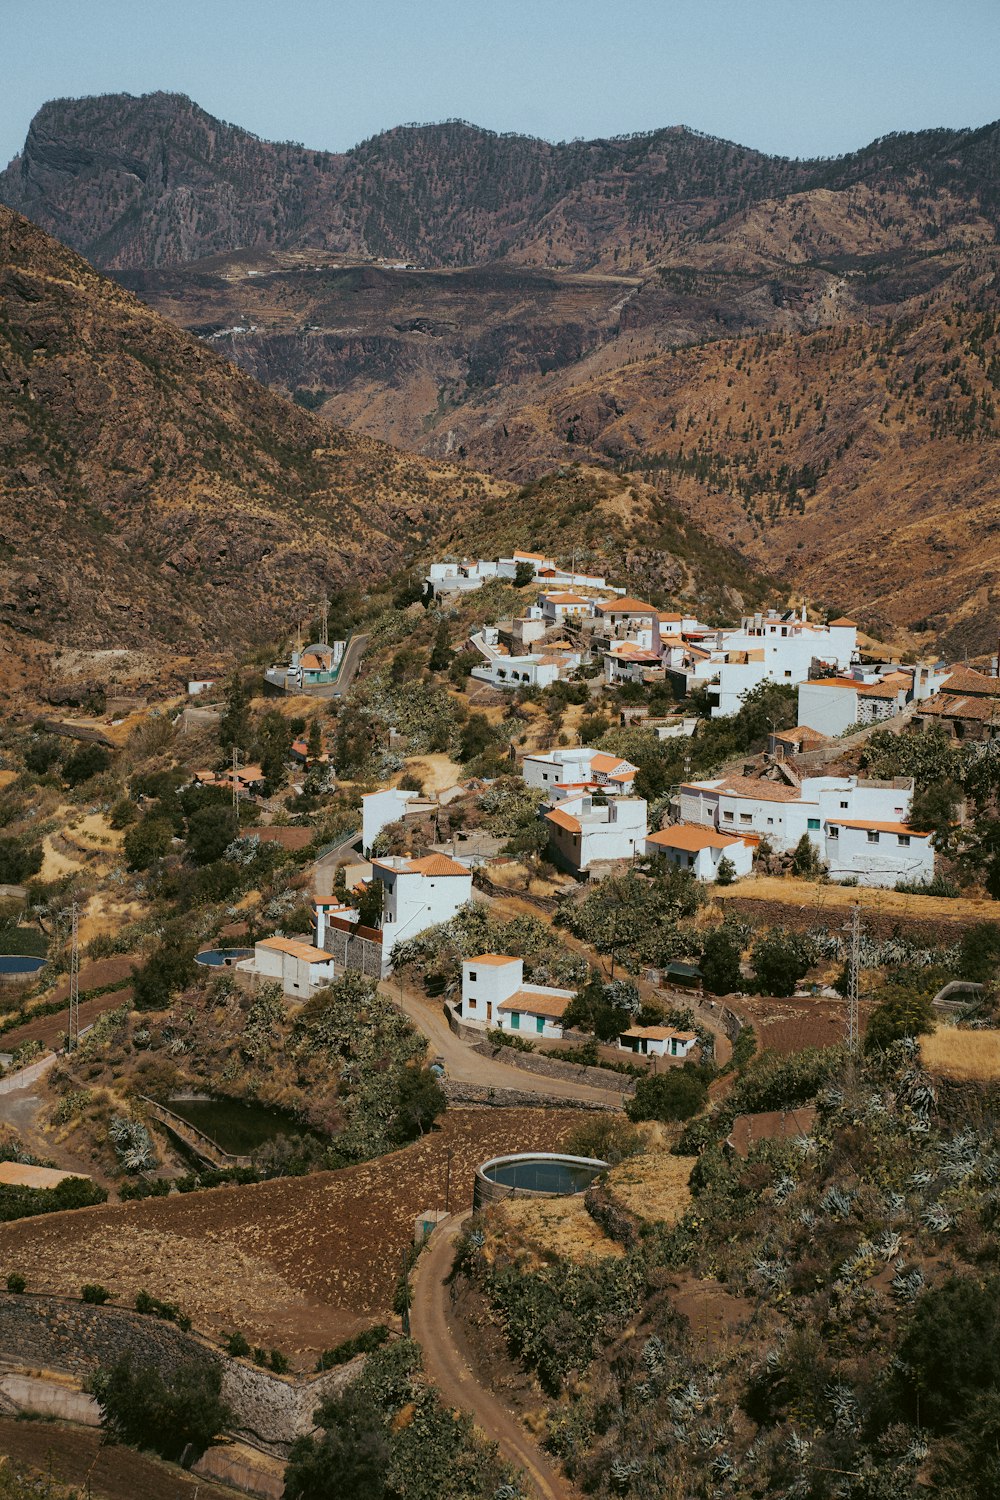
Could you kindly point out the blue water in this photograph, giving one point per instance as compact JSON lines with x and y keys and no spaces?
{"x":543,"y":1176}
{"x":219,"y":958}
{"x":17,"y":963}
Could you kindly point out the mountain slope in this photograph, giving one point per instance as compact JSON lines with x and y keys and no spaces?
{"x":150,"y":492}
{"x":157,"y":181}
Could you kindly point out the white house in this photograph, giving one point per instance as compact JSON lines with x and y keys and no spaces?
{"x":300,"y":968}
{"x":198,"y":685}
{"x":774,"y":647}
{"x":628,"y":618}
{"x":700,"y":850}
{"x":504,"y":669}
{"x":629,"y":663}
{"x":583,"y":833}
{"x":419,"y":893}
{"x":833,"y":704}
{"x":562,"y":605}
{"x":782,"y":812}
{"x":459,"y":577}
{"x":575,"y":766}
{"x":379,"y":809}
{"x":877,"y":853}
{"x":494,"y":994}
{"x":658,"y":1041}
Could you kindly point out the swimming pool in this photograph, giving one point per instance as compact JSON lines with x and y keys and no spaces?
{"x":20,"y":964}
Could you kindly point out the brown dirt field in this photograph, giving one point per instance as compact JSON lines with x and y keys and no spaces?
{"x":437,"y":772}
{"x":830,"y":904}
{"x":50,"y":1030}
{"x":74,"y":1456}
{"x":298,"y":1263}
{"x":785,"y":1026}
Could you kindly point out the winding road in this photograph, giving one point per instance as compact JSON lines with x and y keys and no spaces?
{"x":433,"y":1325}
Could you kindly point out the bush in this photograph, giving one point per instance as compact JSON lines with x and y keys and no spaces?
{"x":676,"y":1095}
{"x":147,"y":841}
{"x":726,"y":872}
{"x":720,"y":961}
{"x":72,"y":1192}
{"x":605,"y":1138}
{"x":18,"y":861}
{"x":169,"y":1311}
{"x":351,"y":1457}
{"x":93,"y":1292}
{"x":123,"y":814}
{"x":236,"y":1345}
{"x":88,"y":761}
{"x":779,"y":960}
{"x":168,"y":969}
{"x":950,"y":1353}
{"x":278,"y":1362}
{"x":362,"y":1343}
{"x":140,"y":1407}
{"x":16,"y":1282}
{"x":900,"y":1013}
{"x":210,"y":831}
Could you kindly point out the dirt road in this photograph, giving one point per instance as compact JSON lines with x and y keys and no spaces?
{"x":462,"y":1065}
{"x":433,"y":1326}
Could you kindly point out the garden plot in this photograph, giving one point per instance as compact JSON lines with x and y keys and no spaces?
{"x":298,"y":1263}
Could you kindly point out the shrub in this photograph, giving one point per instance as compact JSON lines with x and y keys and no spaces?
{"x":779,"y":960}
{"x":726,"y":872}
{"x":93,"y":1292}
{"x":236,"y":1345}
{"x":72,"y":1192}
{"x":362,"y":1343}
{"x":167,"y":970}
{"x":805,"y":860}
{"x":901,"y":1012}
{"x":278,"y":1362}
{"x":88,"y":761}
{"x":147,"y":841}
{"x":123,"y":814}
{"x":605,"y":1138}
{"x":676,"y":1095}
{"x":139,"y":1406}
{"x":720,"y":961}
{"x":951,"y":1351}
{"x":16,"y":1282}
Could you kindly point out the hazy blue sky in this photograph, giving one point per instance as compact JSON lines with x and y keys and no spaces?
{"x":794,"y":76}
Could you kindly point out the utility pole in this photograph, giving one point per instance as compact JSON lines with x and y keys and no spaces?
{"x":73,"y":1032}
{"x":324,"y":610}
{"x":236,"y":783}
{"x":853,"y":974}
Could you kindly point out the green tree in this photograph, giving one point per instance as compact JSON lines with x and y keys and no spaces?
{"x":419,"y":1101}
{"x":370,"y":904}
{"x":478,"y":736}
{"x":950,"y":1354}
{"x":779,"y":960}
{"x":933,"y":809}
{"x":83,"y":764}
{"x":167,"y":970}
{"x":441,"y":650}
{"x":357,"y":736}
{"x":725,"y":874}
{"x":980,"y":952}
{"x":805,"y":860}
{"x":350,"y":1459}
{"x":720,"y":961}
{"x":147,"y":841}
{"x":235,"y":726}
{"x":274,"y":739}
{"x":42,"y":754}
{"x":18,"y":861}
{"x":524,"y":573}
{"x":210,"y":831}
{"x":674,"y":1095}
{"x":314,"y":742}
{"x":141,"y":1407}
{"x":900,"y":1012}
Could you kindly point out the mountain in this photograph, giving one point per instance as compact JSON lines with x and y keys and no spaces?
{"x":150,"y":493}
{"x":155,"y":181}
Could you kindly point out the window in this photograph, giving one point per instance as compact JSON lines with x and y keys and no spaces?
{"x":545,"y":777}
{"x":873,"y":835}
{"x":833,"y":832}
{"x":904,"y":839}
{"x":472,"y":1004}
{"x":728,"y":816}
{"x":788,"y":674}
{"x":746,"y":817}
{"x":472,"y":976}
{"x":812,"y":823}
{"x":770,"y":822}
{"x":843,"y":807}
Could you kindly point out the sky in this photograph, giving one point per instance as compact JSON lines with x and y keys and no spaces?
{"x":796,"y":77}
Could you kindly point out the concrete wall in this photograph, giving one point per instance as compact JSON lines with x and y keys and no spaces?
{"x":56,"y":1333}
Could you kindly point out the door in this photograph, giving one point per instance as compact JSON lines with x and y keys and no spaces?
{"x":489,"y":1010}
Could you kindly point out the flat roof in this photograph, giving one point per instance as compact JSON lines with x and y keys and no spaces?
{"x":691,"y":836}
{"x":304,"y":951}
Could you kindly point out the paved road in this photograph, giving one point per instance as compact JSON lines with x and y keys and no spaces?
{"x":434,"y":1326}
{"x":462,"y":1065}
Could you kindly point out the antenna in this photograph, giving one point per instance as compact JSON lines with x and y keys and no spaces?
{"x":854,"y":970}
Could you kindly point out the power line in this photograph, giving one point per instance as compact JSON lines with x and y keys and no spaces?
{"x":853,"y":978}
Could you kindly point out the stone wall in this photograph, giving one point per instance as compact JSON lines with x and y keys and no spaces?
{"x":536,"y":1062}
{"x":479,"y":1093}
{"x":56,"y":1333}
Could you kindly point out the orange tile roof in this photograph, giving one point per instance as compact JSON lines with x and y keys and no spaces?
{"x":845,"y":621}
{"x":878,"y":827}
{"x":966,"y":680}
{"x":305,"y":951}
{"x":563,"y":819}
{"x":602,"y":761}
{"x":947,"y":706}
{"x":692,"y":837}
{"x":566,"y":599}
{"x":534,"y":1004}
{"x":800,"y":735}
{"x":626,"y":606}
{"x":532,"y":556}
{"x":660,"y":1033}
{"x":764,"y":791}
{"x":492,"y":960}
{"x":437,"y":864}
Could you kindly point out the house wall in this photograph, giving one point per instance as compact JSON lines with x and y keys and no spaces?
{"x":414,"y":902}
{"x":830,"y":710}
{"x":485,"y":986}
{"x":379,"y":809}
{"x":883,"y":863}
{"x":529,"y":1024}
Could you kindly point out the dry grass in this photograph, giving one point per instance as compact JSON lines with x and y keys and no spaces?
{"x":962,"y":1054}
{"x":537,"y":1230}
{"x":808,"y":893}
{"x":437,"y":772}
{"x":654,"y":1187}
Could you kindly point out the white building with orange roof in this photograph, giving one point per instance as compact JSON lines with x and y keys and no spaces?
{"x":418,"y":893}
{"x":300,"y":968}
{"x":494,"y":994}
{"x":834,"y":704}
{"x":658,"y":1041}
{"x":836,"y":813}
{"x":577,"y":767}
{"x":562,"y":604}
{"x":700,"y":850}
{"x":585,"y":831}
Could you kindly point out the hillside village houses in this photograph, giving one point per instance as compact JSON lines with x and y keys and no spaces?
{"x":494,"y":994}
{"x":463,"y":577}
{"x":570,"y":769}
{"x":586,"y":830}
{"x":701,"y":850}
{"x":857,"y":827}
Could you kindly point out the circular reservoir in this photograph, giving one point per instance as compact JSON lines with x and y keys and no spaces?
{"x":534,"y":1174}
{"x":222,"y":958}
{"x":19,"y":965}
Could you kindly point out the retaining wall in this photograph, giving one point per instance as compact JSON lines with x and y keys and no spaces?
{"x":479,"y":1093}
{"x":46,"y":1332}
{"x":540,"y":1062}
